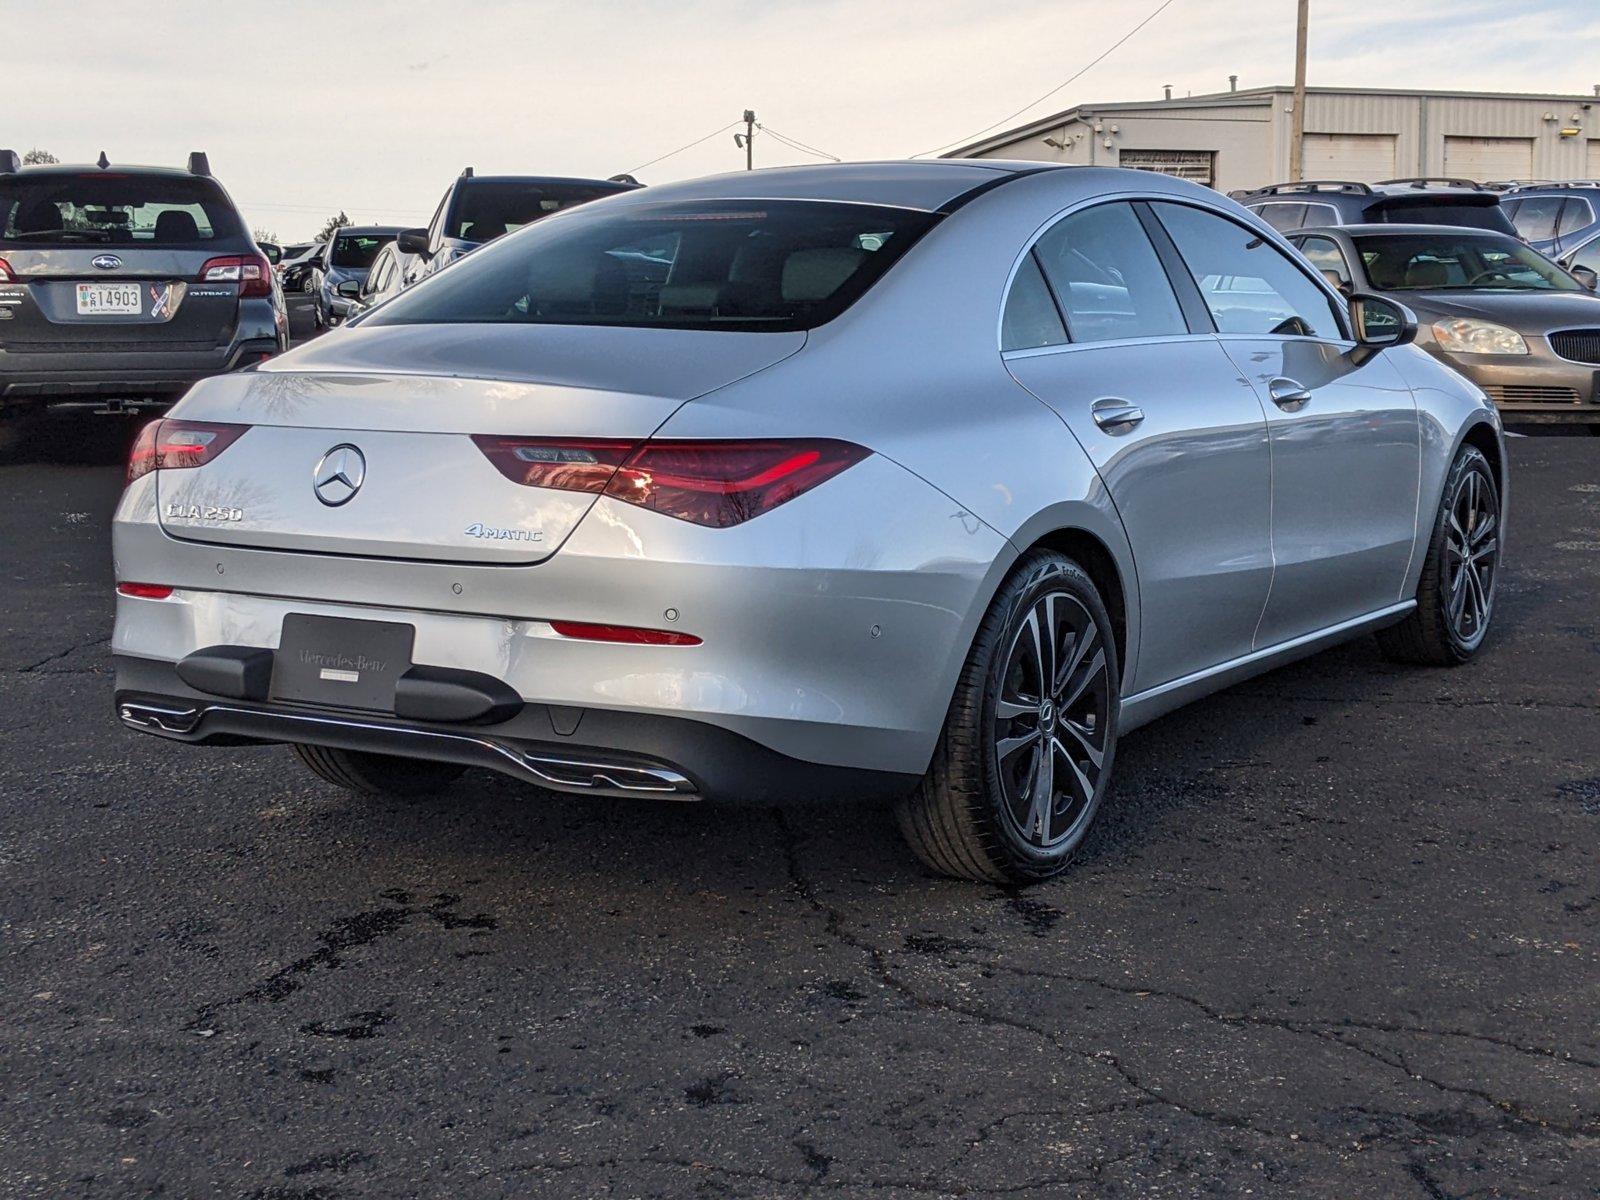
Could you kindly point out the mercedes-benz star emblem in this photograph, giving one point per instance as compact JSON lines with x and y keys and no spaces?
{"x":339,"y":475}
{"x":106,"y":262}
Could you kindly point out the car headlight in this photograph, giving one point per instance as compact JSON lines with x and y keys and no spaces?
{"x":1462,"y":335}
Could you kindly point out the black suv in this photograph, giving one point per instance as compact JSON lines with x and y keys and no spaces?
{"x":479,"y":208}
{"x":121,"y":286}
{"x":1321,"y":202}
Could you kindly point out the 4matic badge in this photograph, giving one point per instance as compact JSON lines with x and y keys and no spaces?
{"x":204,"y":512}
{"x":490,"y":533}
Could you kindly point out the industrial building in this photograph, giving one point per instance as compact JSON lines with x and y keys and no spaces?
{"x":1242,"y":138}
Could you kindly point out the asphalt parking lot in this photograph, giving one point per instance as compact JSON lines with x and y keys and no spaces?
{"x":1335,"y":936}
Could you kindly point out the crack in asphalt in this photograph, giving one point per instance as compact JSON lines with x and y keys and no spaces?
{"x":834,"y":926}
{"x":1516,"y":1119}
{"x":343,"y":936}
{"x":59,"y":655}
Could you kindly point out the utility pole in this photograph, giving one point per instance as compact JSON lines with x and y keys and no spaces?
{"x":747,"y":139}
{"x":1297,"y":128}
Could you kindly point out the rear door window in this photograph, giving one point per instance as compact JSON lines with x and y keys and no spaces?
{"x":1107,"y":277}
{"x":753,"y":265}
{"x":114,"y":208}
{"x":1249,"y":285}
{"x":1324,"y":254}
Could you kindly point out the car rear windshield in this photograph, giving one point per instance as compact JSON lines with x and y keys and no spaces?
{"x":766,"y":265}
{"x":1434,"y":212}
{"x":487,"y":210}
{"x":357,"y":250}
{"x":1434,"y":261}
{"x":113,"y":207}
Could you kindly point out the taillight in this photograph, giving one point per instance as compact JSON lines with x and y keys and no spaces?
{"x":7,"y":275}
{"x":251,"y":272}
{"x":144,"y":591}
{"x":568,"y":464}
{"x":171,"y":445}
{"x":626,"y":634}
{"x":715,"y":483}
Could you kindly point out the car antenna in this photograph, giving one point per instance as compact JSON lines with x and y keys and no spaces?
{"x":104,"y":161}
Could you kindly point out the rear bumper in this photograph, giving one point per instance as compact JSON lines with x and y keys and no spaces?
{"x":582,"y":751}
{"x":92,"y":376}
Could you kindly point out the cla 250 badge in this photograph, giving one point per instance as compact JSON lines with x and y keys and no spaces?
{"x":204,"y":512}
{"x":490,"y":533}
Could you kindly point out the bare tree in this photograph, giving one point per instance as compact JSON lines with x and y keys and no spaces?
{"x":37,"y":158}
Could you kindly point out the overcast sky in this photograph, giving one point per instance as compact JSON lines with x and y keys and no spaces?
{"x":308,"y":107}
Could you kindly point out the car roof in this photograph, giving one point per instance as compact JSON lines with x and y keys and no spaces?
{"x":113,"y":170}
{"x":902,"y":183}
{"x":575,"y":181}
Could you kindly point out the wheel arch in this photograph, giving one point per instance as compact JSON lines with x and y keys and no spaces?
{"x":1095,"y":557}
{"x":1485,"y":438}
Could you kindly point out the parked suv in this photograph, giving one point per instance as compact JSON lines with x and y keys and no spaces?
{"x":347,"y":257}
{"x":479,"y":208}
{"x":1556,"y":218}
{"x":1320,"y":202}
{"x":120,"y":286}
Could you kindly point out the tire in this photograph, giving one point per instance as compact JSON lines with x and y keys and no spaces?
{"x":1454,"y":608}
{"x":378,"y":774}
{"x":973,"y":816}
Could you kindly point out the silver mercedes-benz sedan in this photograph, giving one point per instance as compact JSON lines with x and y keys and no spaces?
{"x":912,"y":480}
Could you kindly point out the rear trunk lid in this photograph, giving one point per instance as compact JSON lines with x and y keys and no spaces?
{"x":123,"y":298}
{"x":407,"y":400}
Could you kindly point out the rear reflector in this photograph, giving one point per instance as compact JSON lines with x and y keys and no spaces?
{"x":622,"y":633}
{"x":144,"y":591}
{"x":715,"y":483}
{"x":252,"y":273}
{"x":171,"y":445}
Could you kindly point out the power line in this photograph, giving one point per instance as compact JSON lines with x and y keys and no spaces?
{"x":1161,"y":8}
{"x":799,"y":145}
{"x":686,"y":146}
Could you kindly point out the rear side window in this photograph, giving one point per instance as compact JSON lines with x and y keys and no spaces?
{"x":1031,"y":319}
{"x":1249,"y":285}
{"x":1282,"y":217}
{"x":114,"y":208}
{"x":1537,"y":216}
{"x":753,"y":265}
{"x":1105,"y":272}
{"x":1575,"y":215}
{"x":1324,"y":254}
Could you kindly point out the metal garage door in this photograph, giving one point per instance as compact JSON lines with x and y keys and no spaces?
{"x":1488,"y":158}
{"x":1198,"y":165}
{"x":1593,"y":170}
{"x":1363,"y":157}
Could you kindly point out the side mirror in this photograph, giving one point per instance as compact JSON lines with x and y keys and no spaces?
{"x":1586,"y":276}
{"x":413,"y":241}
{"x":1380,"y":321}
{"x":350,"y":289}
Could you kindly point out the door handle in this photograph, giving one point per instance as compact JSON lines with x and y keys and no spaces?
{"x":1288,"y":394}
{"x":1116,"y":416}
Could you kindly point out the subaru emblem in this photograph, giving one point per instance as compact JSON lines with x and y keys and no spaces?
{"x":106,"y":262}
